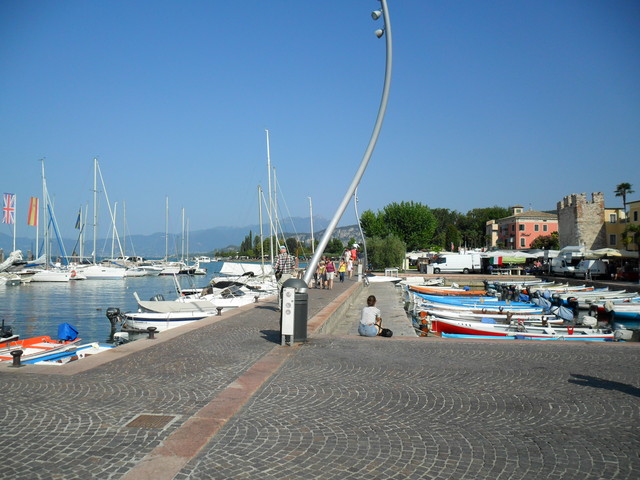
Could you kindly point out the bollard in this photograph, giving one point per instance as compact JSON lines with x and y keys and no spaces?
{"x":256,"y":298}
{"x":219,"y":309}
{"x":152,"y":331}
{"x":16,"y":354}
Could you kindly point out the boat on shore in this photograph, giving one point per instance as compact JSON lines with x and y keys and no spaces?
{"x":517,"y":329}
{"x":36,"y":348}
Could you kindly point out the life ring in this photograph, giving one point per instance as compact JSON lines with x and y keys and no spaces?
{"x":73,"y":274}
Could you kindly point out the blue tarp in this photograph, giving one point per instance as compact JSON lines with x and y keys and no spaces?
{"x":67,"y":332}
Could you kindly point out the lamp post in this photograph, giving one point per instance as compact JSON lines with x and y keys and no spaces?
{"x":386,"y":32}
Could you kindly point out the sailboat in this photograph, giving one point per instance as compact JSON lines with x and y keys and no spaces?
{"x":94,"y":270}
{"x":49,"y":273}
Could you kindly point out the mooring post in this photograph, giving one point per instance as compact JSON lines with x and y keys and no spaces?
{"x":152,"y":331}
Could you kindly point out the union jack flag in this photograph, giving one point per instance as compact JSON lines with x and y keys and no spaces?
{"x":9,"y":209}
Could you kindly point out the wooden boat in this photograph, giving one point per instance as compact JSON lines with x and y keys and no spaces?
{"x":64,"y":357}
{"x":36,"y":347}
{"x":468,"y":327}
{"x":447,"y":291}
{"x":504,"y":318}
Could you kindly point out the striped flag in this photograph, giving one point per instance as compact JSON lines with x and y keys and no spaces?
{"x":9,"y":209}
{"x":32,"y":217}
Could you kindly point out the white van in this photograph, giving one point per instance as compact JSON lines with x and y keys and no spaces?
{"x":591,"y":269}
{"x":457,"y":263}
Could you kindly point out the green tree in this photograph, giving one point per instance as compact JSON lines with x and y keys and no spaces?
{"x":334,"y":247}
{"x":546,"y":242}
{"x":622,"y":190}
{"x":388,"y":252}
{"x":412,"y":222}
{"x":372,"y":224}
{"x":452,"y":237}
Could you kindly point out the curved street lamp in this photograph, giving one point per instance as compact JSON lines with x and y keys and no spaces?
{"x":386,"y":32}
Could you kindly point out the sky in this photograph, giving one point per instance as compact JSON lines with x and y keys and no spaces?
{"x":491,"y":103}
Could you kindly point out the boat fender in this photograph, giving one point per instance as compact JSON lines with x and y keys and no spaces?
{"x":73,"y":274}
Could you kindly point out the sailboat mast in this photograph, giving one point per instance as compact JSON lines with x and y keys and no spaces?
{"x":95,"y":208}
{"x":313,"y":246}
{"x":124,"y":228}
{"x":44,"y":217}
{"x":270,"y":199}
{"x":182,"y":240}
{"x":275,"y":209}
{"x":260,"y":219}
{"x":113,"y":237}
{"x":166,"y":230}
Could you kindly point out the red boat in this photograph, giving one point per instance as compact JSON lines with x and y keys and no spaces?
{"x":35,"y":347}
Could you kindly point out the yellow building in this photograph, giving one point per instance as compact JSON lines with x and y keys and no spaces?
{"x":615,"y":223}
{"x":634,"y":220}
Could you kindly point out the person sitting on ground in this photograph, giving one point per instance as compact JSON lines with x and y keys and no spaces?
{"x":370,"y":320}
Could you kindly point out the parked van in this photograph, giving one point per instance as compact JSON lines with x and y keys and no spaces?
{"x":457,"y":263}
{"x":591,"y":269}
{"x":567,"y":260}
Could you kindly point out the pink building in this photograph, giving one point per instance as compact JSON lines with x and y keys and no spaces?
{"x":518,"y":230}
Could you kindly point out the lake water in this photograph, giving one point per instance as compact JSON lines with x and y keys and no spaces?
{"x":35,"y":309}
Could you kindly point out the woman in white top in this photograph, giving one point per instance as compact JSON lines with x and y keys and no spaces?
{"x":370,"y":320}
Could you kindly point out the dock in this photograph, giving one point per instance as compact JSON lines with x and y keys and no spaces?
{"x":221,"y":398}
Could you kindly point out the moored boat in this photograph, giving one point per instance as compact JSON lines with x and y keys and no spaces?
{"x":467,"y":327}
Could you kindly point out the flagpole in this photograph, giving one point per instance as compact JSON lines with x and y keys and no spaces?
{"x":15,"y":218}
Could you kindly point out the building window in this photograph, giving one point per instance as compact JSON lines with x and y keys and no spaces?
{"x":635,"y":216}
{"x":522,"y":244}
{"x":536,"y":228}
{"x":521,"y":227}
{"x":513,"y":228}
{"x":544,"y":228}
{"x":612,"y":218}
{"x":613,"y":239}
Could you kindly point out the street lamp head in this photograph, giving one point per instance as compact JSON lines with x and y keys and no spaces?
{"x":376,"y":14}
{"x":379,"y":33}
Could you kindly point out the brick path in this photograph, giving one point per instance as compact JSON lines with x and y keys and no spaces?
{"x":340,"y":406}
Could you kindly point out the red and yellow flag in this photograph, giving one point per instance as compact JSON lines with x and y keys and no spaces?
{"x":32,"y":218}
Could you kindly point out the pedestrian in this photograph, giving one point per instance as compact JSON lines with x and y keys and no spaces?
{"x":350,"y":267}
{"x":331,"y":271}
{"x":341,"y":269}
{"x":322,"y":273}
{"x":370,"y":319}
{"x":285,"y":267}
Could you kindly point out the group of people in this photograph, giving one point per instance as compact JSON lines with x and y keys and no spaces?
{"x":327,"y":270}
{"x":286,"y":266}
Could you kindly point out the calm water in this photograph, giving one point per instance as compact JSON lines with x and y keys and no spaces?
{"x":36,"y":309}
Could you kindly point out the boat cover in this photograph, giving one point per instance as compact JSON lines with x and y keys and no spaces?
{"x":67,"y":332}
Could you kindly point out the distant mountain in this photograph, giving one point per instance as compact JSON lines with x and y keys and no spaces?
{"x":200,"y":242}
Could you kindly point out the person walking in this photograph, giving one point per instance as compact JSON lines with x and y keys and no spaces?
{"x":285,"y":268}
{"x":331,"y":272}
{"x":341,"y":269}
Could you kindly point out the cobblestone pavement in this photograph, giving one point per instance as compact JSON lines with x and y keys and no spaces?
{"x":336,"y":407}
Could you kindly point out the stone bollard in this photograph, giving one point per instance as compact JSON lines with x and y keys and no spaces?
{"x":219,"y":309}
{"x":152,"y":331}
{"x":256,"y":298}
{"x":16,"y":354}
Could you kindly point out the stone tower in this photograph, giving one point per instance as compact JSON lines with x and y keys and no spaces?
{"x":581,"y":222}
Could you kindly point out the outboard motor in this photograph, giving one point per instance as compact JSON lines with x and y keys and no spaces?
{"x":113,"y":314}
{"x":5,"y":331}
{"x":572,"y":303}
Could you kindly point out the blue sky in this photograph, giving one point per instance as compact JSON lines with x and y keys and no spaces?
{"x":492,"y":103}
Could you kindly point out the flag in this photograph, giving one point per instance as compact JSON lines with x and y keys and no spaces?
{"x":78,"y":220}
{"x":9,"y":209}
{"x":32,"y":217}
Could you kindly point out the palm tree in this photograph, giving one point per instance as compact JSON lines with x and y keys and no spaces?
{"x":623,"y":190}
